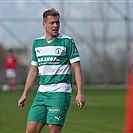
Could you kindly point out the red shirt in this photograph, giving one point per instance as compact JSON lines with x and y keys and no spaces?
{"x":10,"y":62}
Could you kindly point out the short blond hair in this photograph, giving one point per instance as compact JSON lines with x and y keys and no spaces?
{"x":50,"y":12}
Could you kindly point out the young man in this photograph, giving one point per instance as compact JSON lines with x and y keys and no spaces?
{"x":52,"y":58}
{"x":11,"y":67}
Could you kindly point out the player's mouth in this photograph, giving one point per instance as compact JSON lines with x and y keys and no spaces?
{"x":55,"y":30}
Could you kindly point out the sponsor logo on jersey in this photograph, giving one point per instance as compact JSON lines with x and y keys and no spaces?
{"x":58,"y":118}
{"x":47,"y":59}
{"x":75,"y":49}
{"x":38,"y":50}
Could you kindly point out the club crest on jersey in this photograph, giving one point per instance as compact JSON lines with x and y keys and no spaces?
{"x":58,"y":50}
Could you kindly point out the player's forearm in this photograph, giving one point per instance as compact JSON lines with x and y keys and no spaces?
{"x":80,"y":99}
{"x":32,"y":75}
{"x":78,"y":77}
{"x":79,"y":81}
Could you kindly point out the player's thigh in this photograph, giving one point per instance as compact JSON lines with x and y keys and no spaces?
{"x":58,"y":108}
{"x":34,"y":127}
{"x":38,"y":111}
{"x":55,"y":128}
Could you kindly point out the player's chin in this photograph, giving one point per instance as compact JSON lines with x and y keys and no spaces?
{"x":55,"y":33}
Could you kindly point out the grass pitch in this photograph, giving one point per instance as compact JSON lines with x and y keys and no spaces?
{"x":103,"y":113}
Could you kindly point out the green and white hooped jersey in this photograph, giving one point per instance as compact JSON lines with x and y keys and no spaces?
{"x":54,"y":61}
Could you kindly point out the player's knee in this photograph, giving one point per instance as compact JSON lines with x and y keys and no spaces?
{"x":34,"y":127}
{"x":32,"y":131}
{"x":55,"y":129}
{"x":29,"y":131}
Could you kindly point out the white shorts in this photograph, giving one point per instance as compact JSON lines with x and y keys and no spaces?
{"x":10,"y":73}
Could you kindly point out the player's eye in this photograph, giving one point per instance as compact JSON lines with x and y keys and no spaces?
{"x":58,"y":22}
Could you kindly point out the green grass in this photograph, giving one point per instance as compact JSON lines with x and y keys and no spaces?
{"x":103,"y":112}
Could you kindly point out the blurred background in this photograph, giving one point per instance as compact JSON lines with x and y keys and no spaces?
{"x":101,"y":30}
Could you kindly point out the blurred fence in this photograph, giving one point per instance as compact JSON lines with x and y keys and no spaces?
{"x":101,"y":30}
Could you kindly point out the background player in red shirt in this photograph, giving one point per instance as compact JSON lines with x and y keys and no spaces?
{"x":11,"y":67}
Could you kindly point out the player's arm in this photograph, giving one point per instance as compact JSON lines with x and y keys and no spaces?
{"x":32,"y":75}
{"x":80,"y":99}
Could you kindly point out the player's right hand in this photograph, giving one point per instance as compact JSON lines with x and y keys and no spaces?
{"x":21,"y":101}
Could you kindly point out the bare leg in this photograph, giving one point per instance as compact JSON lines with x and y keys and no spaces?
{"x":12,"y":83}
{"x":55,"y":128}
{"x":34,"y":127}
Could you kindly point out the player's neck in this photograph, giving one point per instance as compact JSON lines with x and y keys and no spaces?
{"x":51,"y":38}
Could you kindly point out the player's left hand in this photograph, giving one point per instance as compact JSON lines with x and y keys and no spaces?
{"x":21,"y":101}
{"x":80,"y":99}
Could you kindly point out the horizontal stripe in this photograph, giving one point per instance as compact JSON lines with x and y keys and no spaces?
{"x":55,"y":79}
{"x":50,"y":51}
{"x":54,"y":69}
{"x":60,"y":87}
{"x":75,"y":60}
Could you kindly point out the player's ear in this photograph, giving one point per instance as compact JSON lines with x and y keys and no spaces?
{"x":43,"y":23}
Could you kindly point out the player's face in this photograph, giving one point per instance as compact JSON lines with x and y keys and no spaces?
{"x":52,"y":25}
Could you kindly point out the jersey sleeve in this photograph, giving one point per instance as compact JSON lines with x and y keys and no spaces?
{"x":72,"y":52}
{"x":34,"y":58}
